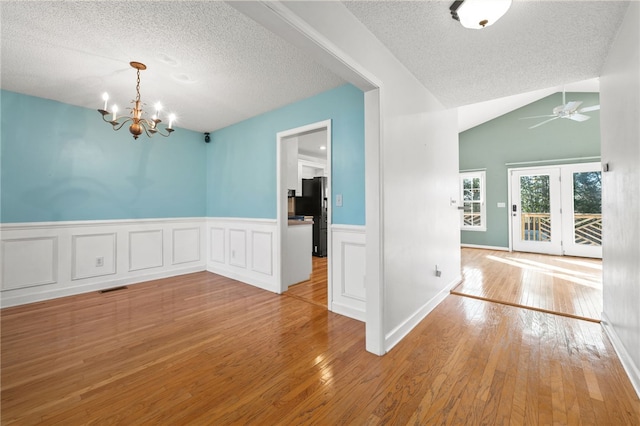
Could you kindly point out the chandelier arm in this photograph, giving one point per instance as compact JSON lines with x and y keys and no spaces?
{"x":117,"y":125}
{"x":146,"y":131}
{"x":165,"y":135}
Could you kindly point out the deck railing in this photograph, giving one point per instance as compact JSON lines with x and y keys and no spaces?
{"x":472,"y":219}
{"x":535,"y":226}
{"x":587,"y":228}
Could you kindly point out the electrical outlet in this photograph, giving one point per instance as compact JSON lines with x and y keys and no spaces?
{"x":438,"y":272}
{"x":99,"y":262}
{"x":338,"y":200}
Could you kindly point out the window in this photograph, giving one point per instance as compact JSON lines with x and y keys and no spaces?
{"x":472,"y":194}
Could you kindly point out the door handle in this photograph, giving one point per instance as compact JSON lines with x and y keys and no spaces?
{"x":514,"y":208}
{"x":460,"y":207}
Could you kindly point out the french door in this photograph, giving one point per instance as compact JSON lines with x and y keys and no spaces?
{"x":557,"y":210}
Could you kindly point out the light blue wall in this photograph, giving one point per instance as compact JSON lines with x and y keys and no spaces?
{"x":62,"y":162}
{"x":241,"y":166}
{"x":507,"y":139}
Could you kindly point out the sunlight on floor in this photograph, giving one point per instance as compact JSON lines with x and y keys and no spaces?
{"x":580,"y":278}
{"x":583,"y":263}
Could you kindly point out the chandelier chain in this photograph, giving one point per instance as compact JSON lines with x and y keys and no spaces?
{"x":138,"y":87}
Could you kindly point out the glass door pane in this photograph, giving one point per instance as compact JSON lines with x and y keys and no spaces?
{"x":582,"y":209}
{"x":587,"y":208}
{"x":535,"y":214}
{"x":535,"y":219}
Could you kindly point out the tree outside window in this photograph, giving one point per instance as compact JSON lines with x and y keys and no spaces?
{"x":472,"y":187}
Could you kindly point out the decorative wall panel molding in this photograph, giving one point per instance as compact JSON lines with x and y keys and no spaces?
{"x":93,"y":255}
{"x":238,"y":247}
{"x":262,"y":253}
{"x":217,"y":245}
{"x":245,"y":250}
{"x":353,"y":271}
{"x":46,"y":260}
{"x":347,"y":293}
{"x":186,"y":245}
{"x":29,"y":261}
{"x":145,"y":249}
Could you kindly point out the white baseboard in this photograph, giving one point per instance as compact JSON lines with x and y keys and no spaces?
{"x":243,"y":278}
{"x":485,"y":247}
{"x":401,"y":331}
{"x":630,"y":367}
{"x":348,"y":311}
{"x":96,"y":286}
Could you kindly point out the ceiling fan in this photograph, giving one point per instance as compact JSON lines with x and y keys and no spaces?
{"x":566,"y":110}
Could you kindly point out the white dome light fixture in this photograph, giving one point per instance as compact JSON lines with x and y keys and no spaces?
{"x":478,"y":14}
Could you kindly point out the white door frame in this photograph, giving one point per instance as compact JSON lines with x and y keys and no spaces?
{"x":554,"y":246}
{"x":565,"y":198}
{"x":282,"y":210}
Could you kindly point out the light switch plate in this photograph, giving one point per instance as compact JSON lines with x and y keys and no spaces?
{"x":338,"y":200}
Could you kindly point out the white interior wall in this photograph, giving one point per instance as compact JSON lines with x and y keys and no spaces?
{"x":620,"y":128}
{"x":415,"y":175}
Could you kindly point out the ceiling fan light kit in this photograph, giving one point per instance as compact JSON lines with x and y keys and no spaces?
{"x":478,"y":14}
{"x":139,"y":124}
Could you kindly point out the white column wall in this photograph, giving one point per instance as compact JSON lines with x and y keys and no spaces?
{"x":414,"y":170}
{"x":620,"y":129}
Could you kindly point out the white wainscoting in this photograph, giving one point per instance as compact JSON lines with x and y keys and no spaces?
{"x":347,"y":293}
{"x":245,"y":250}
{"x":41,"y":261}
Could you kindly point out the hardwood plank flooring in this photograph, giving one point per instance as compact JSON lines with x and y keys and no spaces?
{"x":563,"y":285}
{"x":314,"y":290}
{"x":203,"y":349}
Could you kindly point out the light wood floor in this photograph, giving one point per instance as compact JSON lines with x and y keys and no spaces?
{"x":203,"y":349}
{"x":564,"y":285}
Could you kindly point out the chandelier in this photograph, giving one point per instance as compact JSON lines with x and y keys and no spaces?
{"x":139,"y":124}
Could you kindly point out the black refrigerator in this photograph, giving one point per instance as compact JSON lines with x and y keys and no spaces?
{"x":314,"y":191}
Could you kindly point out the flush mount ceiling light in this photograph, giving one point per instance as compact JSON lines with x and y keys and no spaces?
{"x":478,"y":14}
{"x":139,"y":124}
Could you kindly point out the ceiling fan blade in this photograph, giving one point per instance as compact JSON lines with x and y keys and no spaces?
{"x":578,"y":117}
{"x":544,"y":122}
{"x":537,"y":116}
{"x":591,"y":108}
{"x":571,"y":106}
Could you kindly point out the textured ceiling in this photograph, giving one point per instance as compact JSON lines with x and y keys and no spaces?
{"x":536,"y":45}
{"x":213,"y":66}
{"x":206,"y":61}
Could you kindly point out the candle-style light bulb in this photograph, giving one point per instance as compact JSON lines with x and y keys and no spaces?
{"x":115,"y":111}
{"x":171,"y":118}
{"x":105,"y":98}
{"x":158,"y":108}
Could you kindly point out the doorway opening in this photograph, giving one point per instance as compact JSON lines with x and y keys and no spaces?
{"x":304,"y":212}
{"x":557,"y":210}
{"x":555,"y":259}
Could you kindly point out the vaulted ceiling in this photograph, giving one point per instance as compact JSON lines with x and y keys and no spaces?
{"x":213,"y":66}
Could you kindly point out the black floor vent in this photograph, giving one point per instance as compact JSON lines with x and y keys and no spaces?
{"x":109,"y":290}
